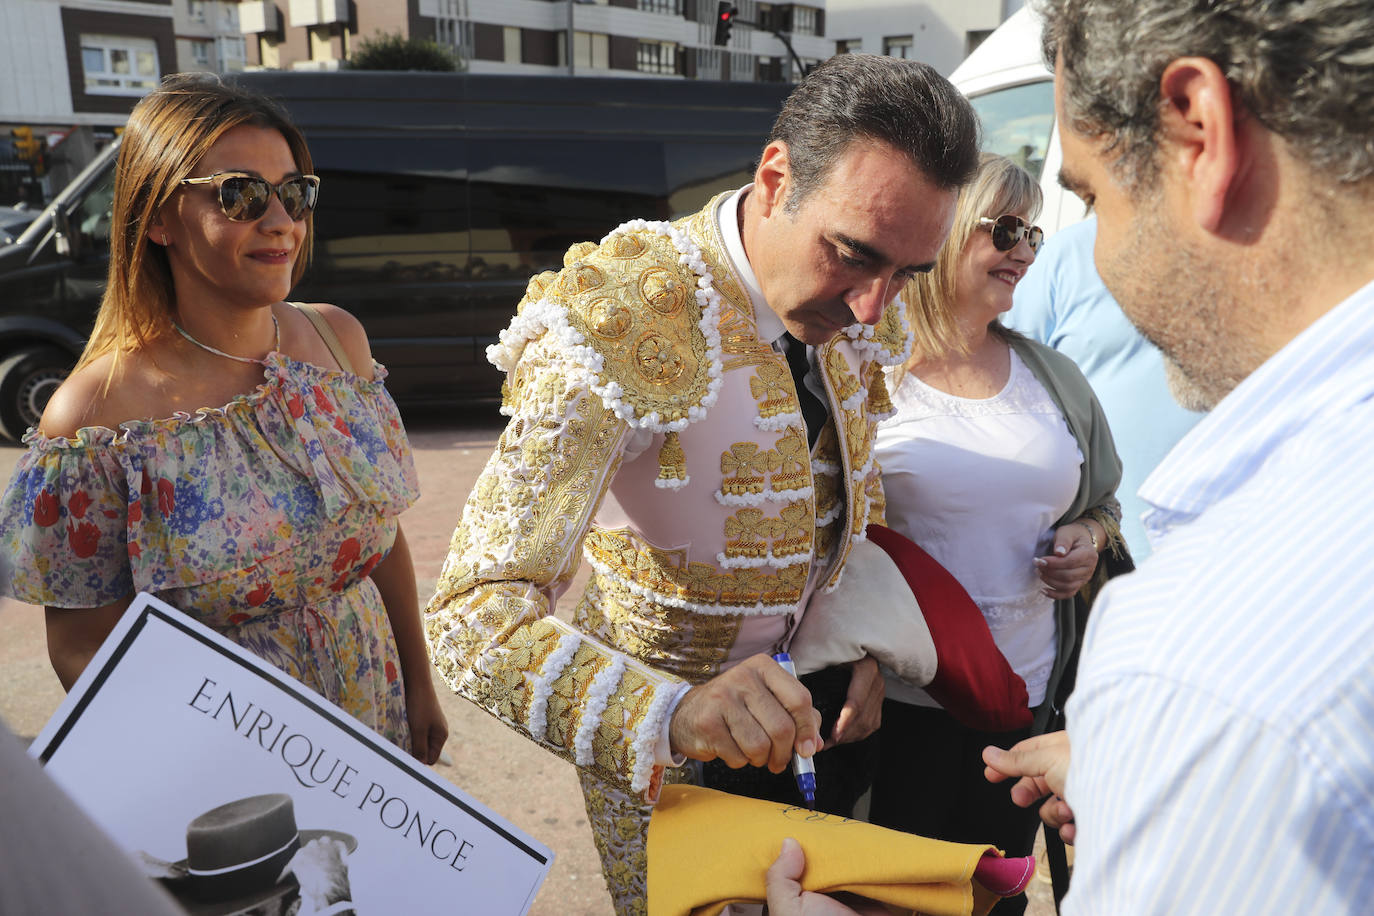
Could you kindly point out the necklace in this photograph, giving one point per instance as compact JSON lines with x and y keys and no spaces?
{"x":276,"y":344}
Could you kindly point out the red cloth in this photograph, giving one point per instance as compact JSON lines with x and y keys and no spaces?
{"x":973,"y":682}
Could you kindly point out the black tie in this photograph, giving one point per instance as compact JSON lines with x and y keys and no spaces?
{"x":812,"y":408}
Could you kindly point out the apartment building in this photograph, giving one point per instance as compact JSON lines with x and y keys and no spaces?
{"x":208,"y":35}
{"x":662,"y":38}
{"x":653,"y":38}
{"x":938,"y":32}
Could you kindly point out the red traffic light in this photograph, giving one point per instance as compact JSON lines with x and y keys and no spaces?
{"x":725,"y":17}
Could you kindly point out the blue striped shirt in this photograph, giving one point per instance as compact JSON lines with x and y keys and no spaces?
{"x":1223,"y":724}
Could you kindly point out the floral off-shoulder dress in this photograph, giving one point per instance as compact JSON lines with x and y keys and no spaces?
{"x":261,"y":519}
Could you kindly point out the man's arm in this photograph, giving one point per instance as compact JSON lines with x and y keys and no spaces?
{"x":1187,"y":803}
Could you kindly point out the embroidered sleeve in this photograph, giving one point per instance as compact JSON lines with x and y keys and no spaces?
{"x":490,"y":626}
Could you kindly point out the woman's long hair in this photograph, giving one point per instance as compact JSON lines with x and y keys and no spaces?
{"x":168,"y":133}
{"x":1000,"y":186}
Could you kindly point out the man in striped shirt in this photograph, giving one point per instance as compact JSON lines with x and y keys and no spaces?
{"x":1222,"y":730}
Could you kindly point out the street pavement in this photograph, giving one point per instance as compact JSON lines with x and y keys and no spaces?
{"x":530,"y":787}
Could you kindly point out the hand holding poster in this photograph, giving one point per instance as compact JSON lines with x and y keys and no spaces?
{"x":245,"y":792}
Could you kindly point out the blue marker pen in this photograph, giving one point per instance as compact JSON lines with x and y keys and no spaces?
{"x":802,"y":767}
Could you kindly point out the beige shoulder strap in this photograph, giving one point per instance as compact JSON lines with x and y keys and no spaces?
{"x":331,"y":340}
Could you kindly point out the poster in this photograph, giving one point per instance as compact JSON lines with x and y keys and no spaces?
{"x":216,"y":772}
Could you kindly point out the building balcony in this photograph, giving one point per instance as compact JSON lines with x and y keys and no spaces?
{"x":318,"y":12}
{"x":259,"y":17}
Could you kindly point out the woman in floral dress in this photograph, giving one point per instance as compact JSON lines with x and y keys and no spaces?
{"x":232,"y":453}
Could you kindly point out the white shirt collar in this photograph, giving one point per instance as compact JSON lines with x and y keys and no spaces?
{"x":770,"y":326}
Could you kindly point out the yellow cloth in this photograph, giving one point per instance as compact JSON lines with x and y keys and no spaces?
{"x":708,"y":849}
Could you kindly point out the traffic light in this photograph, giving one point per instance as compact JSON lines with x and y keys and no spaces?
{"x":26,"y":145}
{"x":725,"y":17}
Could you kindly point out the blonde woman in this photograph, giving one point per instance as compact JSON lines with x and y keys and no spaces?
{"x":1000,"y":465}
{"x":228,"y":451}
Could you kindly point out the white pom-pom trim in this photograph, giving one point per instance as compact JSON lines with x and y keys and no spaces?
{"x":767,"y":559}
{"x":598,"y":697}
{"x":665,"y":698}
{"x":552,"y":670}
{"x":711,"y":610}
{"x":779,"y":422}
{"x":767,"y":494}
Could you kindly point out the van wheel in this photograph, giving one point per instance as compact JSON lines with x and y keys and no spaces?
{"x":28,"y":377}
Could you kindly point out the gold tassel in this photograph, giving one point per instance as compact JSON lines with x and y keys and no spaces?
{"x":672,"y":463}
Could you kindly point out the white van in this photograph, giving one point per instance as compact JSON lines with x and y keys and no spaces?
{"x":1013,"y":93}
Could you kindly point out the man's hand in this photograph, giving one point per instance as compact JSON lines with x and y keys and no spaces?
{"x":1042,"y":763}
{"x":786,"y":897}
{"x":862,"y":712}
{"x":755,"y":713}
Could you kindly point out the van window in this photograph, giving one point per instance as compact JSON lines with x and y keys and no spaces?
{"x":91,"y":217}
{"x":1017,"y":122}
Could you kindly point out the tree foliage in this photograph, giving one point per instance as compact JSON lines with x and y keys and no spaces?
{"x":385,"y":51}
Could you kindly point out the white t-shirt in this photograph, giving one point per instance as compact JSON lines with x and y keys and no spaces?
{"x":978,"y":483}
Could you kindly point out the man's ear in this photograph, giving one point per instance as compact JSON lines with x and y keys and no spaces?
{"x":773,"y":178}
{"x":1198,"y":124}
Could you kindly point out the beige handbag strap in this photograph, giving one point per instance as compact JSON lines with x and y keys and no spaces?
{"x":331,"y":340}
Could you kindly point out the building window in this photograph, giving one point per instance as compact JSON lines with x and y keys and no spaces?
{"x":200,"y":54}
{"x":657,"y":57}
{"x":118,"y":65}
{"x":231,"y":52}
{"x":511,"y":36}
{"x":196,"y":9}
{"x":803,"y":20}
{"x":591,"y":51}
{"x":897,"y":46}
{"x":229,"y":16}
{"x":849,"y":46}
{"x":974,"y":38}
{"x":743,"y":66}
{"x":671,"y":7}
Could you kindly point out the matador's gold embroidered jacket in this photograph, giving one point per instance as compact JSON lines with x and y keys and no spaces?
{"x":703,"y":545}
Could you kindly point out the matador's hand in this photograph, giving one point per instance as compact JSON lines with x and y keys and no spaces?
{"x":755,"y":713}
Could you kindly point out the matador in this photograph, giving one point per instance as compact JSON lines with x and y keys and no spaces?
{"x":655,"y":431}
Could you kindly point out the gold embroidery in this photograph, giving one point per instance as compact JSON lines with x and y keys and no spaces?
{"x":658,"y":360}
{"x":879,"y":401}
{"x":793,"y":530}
{"x":889,"y":332}
{"x":664,"y":290}
{"x":624,"y":247}
{"x":624,"y":714}
{"x":746,"y":533}
{"x":792,"y":466}
{"x":665,"y":368}
{"x":609,"y":319}
{"x":684,"y":643}
{"x":771,"y":386}
{"x":569,"y":695}
{"x":620,"y":827}
{"x":837,"y":369}
{"x":666,"y":573}
{"x":672,"y":461}
{"x":580,"y":278}
{"x":539,"y":283}
{"x":744,"y":466}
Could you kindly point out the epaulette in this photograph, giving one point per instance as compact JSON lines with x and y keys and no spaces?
{"x":640,"y":315}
